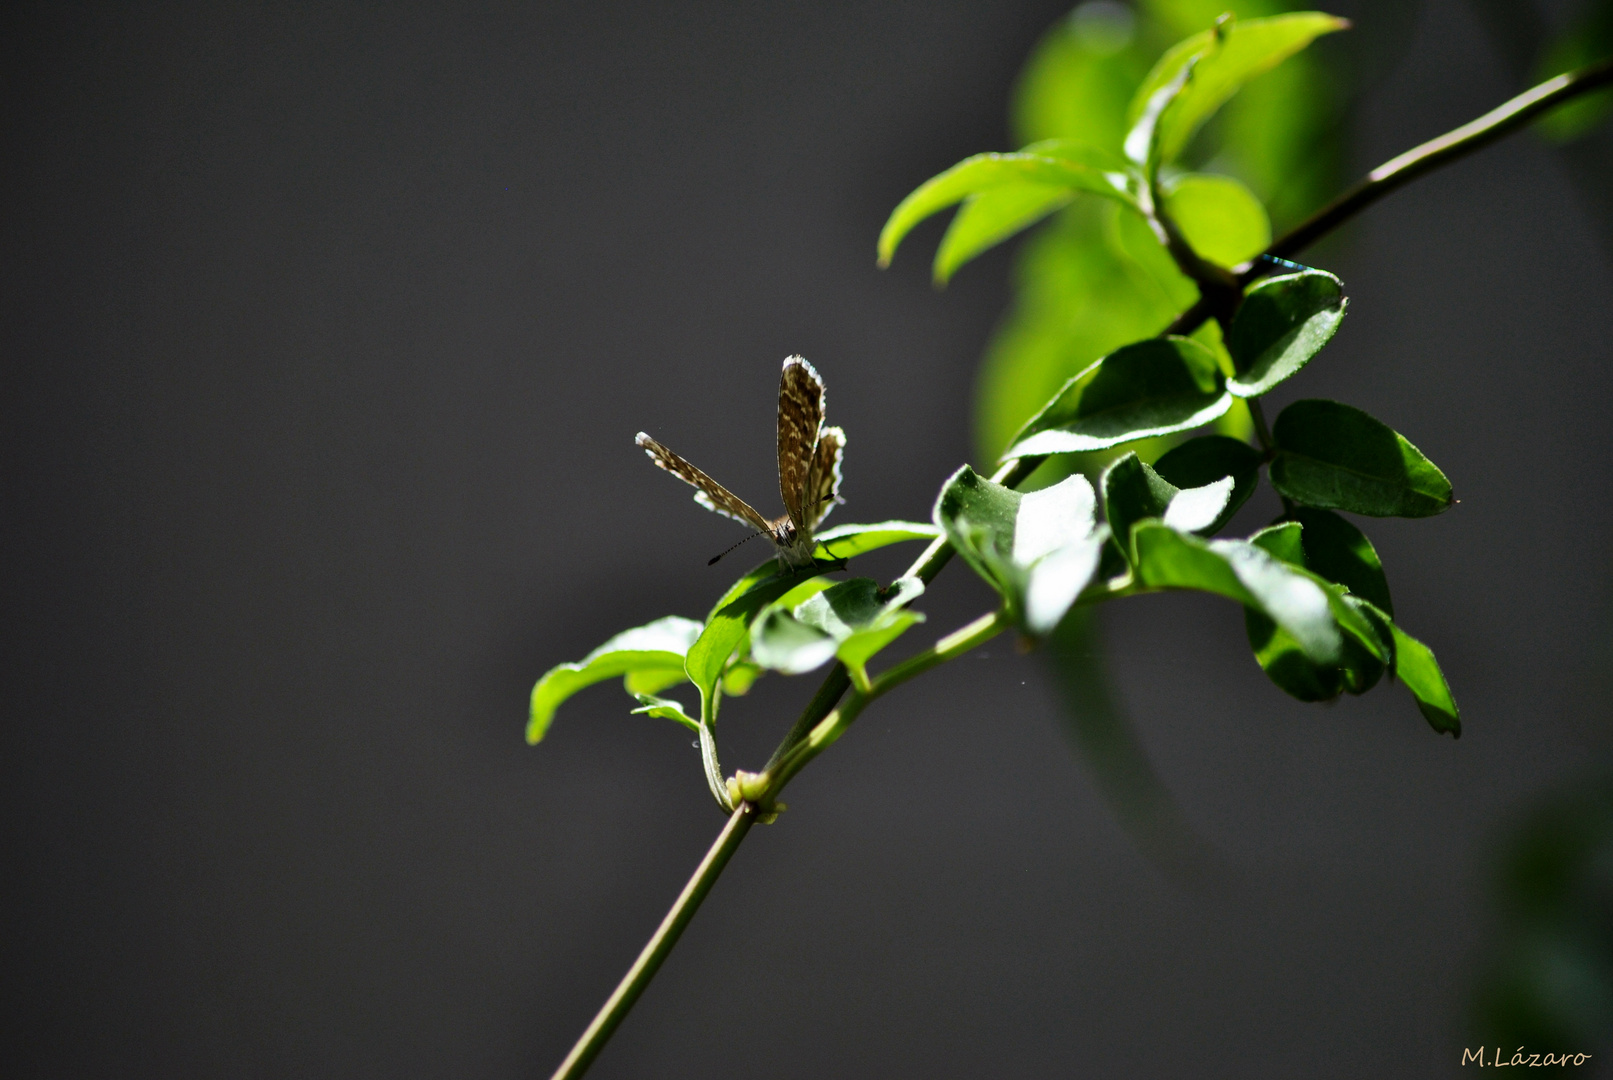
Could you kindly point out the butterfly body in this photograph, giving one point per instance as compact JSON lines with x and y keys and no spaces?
{"x":809,"y":457}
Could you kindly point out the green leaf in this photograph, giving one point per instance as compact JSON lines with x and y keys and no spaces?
{"x":850,"y":540}
{"x":1416,"y":667}
{"x":1153,"y":387}
{"x":1132,"y":492}
{"x":1364,"y":651}
{"x":665,"y":709}
{"x":1283,"y":322}
{"x":856,"y":612}
{"x":1340,"y":552}
{"x":658,"y":647}
{"x":726,"y":629}
{"x":1244,"y":572}
{"x":1247,"y":48}
{"x":1143,"y":141}
{"x":1208,"y":458}
{"x":1220,"y":217}
{"x":1062,"y":165}
{"x":739,"y":678}
{"x":989,"y":218}
{"x":1038,"y":550}
{"x":653,"y":680}
{"x":1337,"y":457}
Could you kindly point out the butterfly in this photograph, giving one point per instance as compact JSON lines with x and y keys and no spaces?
{"x":808,"y":469}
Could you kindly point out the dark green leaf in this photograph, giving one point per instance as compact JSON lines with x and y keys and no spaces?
{"x":1340,"y":552}
{"x":1038,"y":550}
{"x":1284,"y":321}
{"x":1337,"y":457}
{"x":1208,"y":458}
{"x":1286,"y":664}
{"x":1248,"y":48}
{"x":1244,"y":572}
{"x":1132,"y":491}
{"x":1063,"y":165}
{"x":659,"y":646}
{"x":1221,"y":219}
{"x":1416,"y":667}
{"x":1153,"y":387}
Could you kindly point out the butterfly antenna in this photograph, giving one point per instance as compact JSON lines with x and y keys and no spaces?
{"x":713,"y":560}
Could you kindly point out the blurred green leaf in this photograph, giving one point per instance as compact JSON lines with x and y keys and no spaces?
{"x":739,"y":678}
{"x":1248,"y":48}
{"x":1282,"y":323}
{"x":1588,"y":40}
{"x":1208,"y":458}
{"x":1416,"y":667}
{"x":1244,"y":572}
{"x":1337,"y":457}
{"x":1059,"y":164}
{"x":991,"y":217}
{"x":659,"y":646}
{"x":1220,"y":217}
{"x":1038,"y":550}
{"x":665,"y":709}
{"x":1152,"y":387}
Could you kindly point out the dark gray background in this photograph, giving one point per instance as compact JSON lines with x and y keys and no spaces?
{"x":326,"y":330}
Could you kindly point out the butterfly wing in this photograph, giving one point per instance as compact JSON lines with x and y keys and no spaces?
{"x":712,"y":495}
{"x":800,"y":417}
{"x":823,"y":483}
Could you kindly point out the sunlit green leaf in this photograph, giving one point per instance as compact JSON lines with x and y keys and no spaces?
{"x":1241,"y":571}
{"x":1038,"y":550}
{"x":991,"y":217}
{"x":1220,"y":217}
{"x":665,"y":709}
{"x":657,"y":647}
{"x":1248,"y":48}
{"x":739,"y":678}
{"x":1132,"y":492}
{"x":1337,"y":457}
{"x":1152,"y":387}
{"x":849,"y":540}
{"x":1205,"y":460}
{"x":1283,"y":322}
{"x":855,"y":613}
{"x":1067,"y":166}
{"x":1145,"y":138}
{"x":727,"y":627}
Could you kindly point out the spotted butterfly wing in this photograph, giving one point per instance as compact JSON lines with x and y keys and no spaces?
{"x":823,"y":481}
{"x":712,"y":495}
{"x":800,"y":420}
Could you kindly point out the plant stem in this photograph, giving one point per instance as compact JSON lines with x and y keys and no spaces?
{"x":1443,"y":150}
{"x":660,"y":944}
{"x":1378,"y":183}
